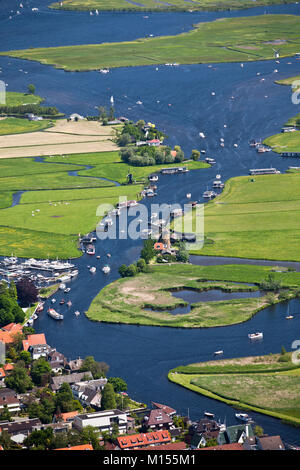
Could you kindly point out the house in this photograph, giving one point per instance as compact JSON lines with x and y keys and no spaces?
{"x":71,"y":379}
{"x":270,"y":443}
{"x":8,"y":332}
{"x":167,"y":409}
{"x":89,"y":393}
{"x":39,"y":350}
{"x":57,"y":428}
{"x":203,"y":431}
{"x":57,"y":360}
{"x":76,"y":117}
{"x":154,"y":143}
{"x":234,"y":446}
{"x":156,"y":420}
{"x":74,"y":365}
{"x":2,"y":377}
{"x":235,"y":434}
{"x":9,"y":397}
{"x":165,"y":447}
{"x":102,"y":420}
{"x":33,"y":340}
{"x":67,"y":417}
{"x":80,"y":447}
{"x":137,"y":441}
{"x":19,"y":430}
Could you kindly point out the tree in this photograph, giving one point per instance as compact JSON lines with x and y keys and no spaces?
{"x":119,"y":384}
{"x":12,"y":290}
{"x":98,"y":369}
{"x":5,"y":414}
{"x":31,"y":89}
{"x":108,"y":401}
{"x":27,"y":292}
{"x":123,"y":270}
{"x":195,"y":155}
{"x":40,"y":371}
{"x":19,"y":379}
{"x":148,"y":251}
{"x":90,"y":435}
{"x":141,"y":265}
{"x":41,"y":440}
{"x":258,"y":431}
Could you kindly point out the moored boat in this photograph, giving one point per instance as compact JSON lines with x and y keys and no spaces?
{"x":258,"y":335}
{"x":55,"y":315}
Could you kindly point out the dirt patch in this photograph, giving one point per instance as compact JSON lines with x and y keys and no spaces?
{"x":248,"y":47}
{"x":276,"y":42}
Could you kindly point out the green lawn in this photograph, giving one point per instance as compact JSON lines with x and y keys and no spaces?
{"x":263,"y":384}
{"x":127,"y":299}
{"x":14,"y":98}
{"x":285,"y":141}
{"x":254,"y":218}
{"x":171,"y":5}
{"x":21,"y":126}
{"x":223,"y":40}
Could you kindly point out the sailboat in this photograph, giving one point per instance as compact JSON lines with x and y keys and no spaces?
{"x":289,"y":316}
{"x":112,"y":100}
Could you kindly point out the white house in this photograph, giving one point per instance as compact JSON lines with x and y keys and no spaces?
{"x":102,"y":420}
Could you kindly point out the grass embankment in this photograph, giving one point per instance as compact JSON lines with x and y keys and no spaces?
{"x":151,"y":5}
{"x":267,"y":384}
{"x":285,"y":141}
{"x":223,"y":40}
{"x":14,"y":98}
{"x":20,"y":126}
{"x":255,"y":217}
{"x":125,"y":300}
{"x":63,"y":205}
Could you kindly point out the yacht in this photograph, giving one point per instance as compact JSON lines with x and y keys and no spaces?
{"x":106,"y":269}
{"x":92,"y":269}
{"x":243,"y":417}
{"x":258,"y":335}
{"x":55,"y":315}
{"x":188,"y":195}
{"x":208,"y":414}
{"x":218,"y":353}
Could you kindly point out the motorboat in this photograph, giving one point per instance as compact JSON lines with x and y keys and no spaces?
{"x":243,"y":417}
{"x":69,"y":303}
{"x":62,"y":301}
{"x":77,"y":313}
{"x":208,"y":414}
{"x":55,"y":315}
{"x":93,"y":269}
{"x":188,"y":195}
{"x":218,"y":353}
{"x":67,"y":290}
{"x":106,"y":269}
{"x":53,"y":301}
{"x":90,"y":250}
{"x":258,"y":335}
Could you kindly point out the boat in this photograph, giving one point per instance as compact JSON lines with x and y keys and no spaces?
{"x":67,"y":290}
{"x":108,"y":255}
{"x":69,"y":303}
{"x":90,"y":250}
{"x":208,"y":414}
{"x":40,"y":307}
{"x":92,"y":269}
{"x":98,"y":257}
{"x":188,"y":195}
{"x":243,"y":417}
{"x":218,"y":177}
{"x":258,"y":335}
{"x":153,"y":178}
{"x":218,"y":353}
{"x":77,"y":313}
{"x":106,"y":269}
{"x":62,"y":302}
{"x":289,"y":316}
{"x":55,"y":315}
{"x":53,"y":301}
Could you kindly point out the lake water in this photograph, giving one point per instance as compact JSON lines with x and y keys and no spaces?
{"x":179,"y":100}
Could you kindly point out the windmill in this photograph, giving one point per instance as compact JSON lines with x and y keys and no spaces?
{"x":276,"y":53}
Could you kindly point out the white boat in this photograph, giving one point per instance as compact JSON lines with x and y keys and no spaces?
{"x":258,"y":335}
{"x":106,"y":269}
{"x":289,"y":316}
{"x":243,"y":417}
{"x":62,"y":286}
{"x":202,"y":135}
{"x":208,"y":414}
{"x":218,"y":177}
{"x":188,"y":195}
{"x":77,"y":313}
{"x":112,"y":100}
{"x":55,"y":315}
{"x":69,"y":303}
{"x":92,"y":269}
{"x":218,"y":353}
{"x":53,"y":301}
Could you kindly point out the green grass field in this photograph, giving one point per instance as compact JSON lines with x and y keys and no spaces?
{"x":58,"y":206}
{"x":263,"y":384}
{"x":254,"y":218}
{"x":14,"y":98}
{"x":151,"y":5}
{"x":127,"y":299}
{"x":223,"y":40}
{"x":285,"y":141}
{"x":21,"y":126}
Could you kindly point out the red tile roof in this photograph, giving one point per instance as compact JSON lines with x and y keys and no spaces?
{"x":80,"y":447}
{"x":8,"y":367}
{"x":167,"y":409}
{"x":70,"y":414}
{"x":234,"y":446}
{"x":158,"y":246}
{"x":2,"y":373}
{"x":7,"y":332}
{"x":139,"y":440}
{"x":158,"y":417}
{"x":13,"y":327}
{"x":33,"y":340}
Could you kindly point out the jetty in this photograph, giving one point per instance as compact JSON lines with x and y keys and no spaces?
{"x":264,"y":171}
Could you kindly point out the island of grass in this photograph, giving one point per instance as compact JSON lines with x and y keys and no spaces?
{"x":255,"y":217}
{"x":146,"y":299}
{"x":151,"y":5}
{"x":267,"y":384}
{"x":223,"y":40}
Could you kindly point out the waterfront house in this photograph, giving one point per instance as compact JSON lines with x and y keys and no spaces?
{"x":71,"y":379}
{"x":167,"y":409}
{"x":74,"y":365}
{"x":57,"y":360}
{"x":102,"y":420}
{"x":39,"y":350}
{"x":8,"y":332}
{"x":235,"y":434}
{"x":89,"y":393}
{"x":33,"y":340}
{"x":10,"y":398}
{"x":157,"y":420}
{"x":67,"y":417}
{"x":203,"y":431}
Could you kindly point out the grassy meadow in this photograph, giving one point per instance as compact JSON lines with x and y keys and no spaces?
{"x":151,"y":5}
{"x":14,"y":98}
{"x":267,"y":384}
{"x":223,"y":40}
{"x":255,"y":217}
{"x":21,"y":126}
{"x":285,"y":141}
{"x":128,"y":300}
